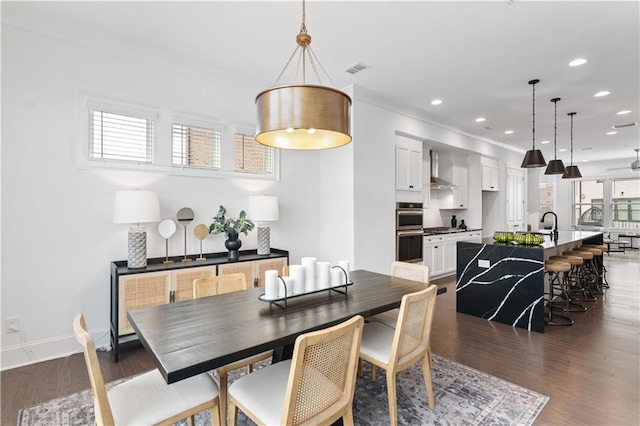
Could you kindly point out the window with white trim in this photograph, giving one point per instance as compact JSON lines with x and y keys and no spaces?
{"x":120,"y":137}
{"x":196,"y":147}
{"x":252,"y":157}
{"x":625,"y":203}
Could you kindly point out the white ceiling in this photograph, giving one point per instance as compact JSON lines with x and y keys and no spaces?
{"x":476,"y":56}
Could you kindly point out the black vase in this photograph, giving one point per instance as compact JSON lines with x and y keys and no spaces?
{"x":462,"y":225}
{"x":233,"y":244}
{"x":454,"y":221}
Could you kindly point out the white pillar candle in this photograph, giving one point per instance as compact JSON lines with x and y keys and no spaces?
{"x":297,"y":273}
{"x":271,"y":284}
{"x":323,"y":278}
{"x":288,"y":283}
{"x":337,"y":277}
{"x":344,"y":264}
{"x":309,"y":264}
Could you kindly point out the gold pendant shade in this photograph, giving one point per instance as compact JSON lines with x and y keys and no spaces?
{"x":303,"y":117}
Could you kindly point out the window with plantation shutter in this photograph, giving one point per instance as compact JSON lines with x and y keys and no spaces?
{"x":120,"y":137}
{"x":252,"y":157}
{"x":196,"y":147}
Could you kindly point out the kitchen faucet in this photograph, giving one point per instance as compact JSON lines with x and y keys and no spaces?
{"x":554,"y":230}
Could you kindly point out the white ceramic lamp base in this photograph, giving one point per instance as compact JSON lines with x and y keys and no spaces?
{"x":264,"y":243}
{"x":137,"y":247}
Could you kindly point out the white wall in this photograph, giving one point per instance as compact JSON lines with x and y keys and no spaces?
{"x":58,"y":235}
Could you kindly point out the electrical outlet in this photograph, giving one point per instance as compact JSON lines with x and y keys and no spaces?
{"x":12,"y":325}
{"x":484,"y":263}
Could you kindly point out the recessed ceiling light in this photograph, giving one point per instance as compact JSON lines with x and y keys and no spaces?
{"x":545,"y":142}
{"x":626,"y":111}
{"x":436,"y":102}
{"x":480,"y":119}
{"x":508,"y":132}
{"x":585,"y":161}
{"x":611,"y":133}
{"x":602,"y":93}
{"x":577,"y":62}
{"x":562,"y":150}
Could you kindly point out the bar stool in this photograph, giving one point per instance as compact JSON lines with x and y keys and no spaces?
{"x":576,"y":291}
{"x":600,"y":263}
{"x":585,"y":274}
{"x":593,"y":264}
{"x":553,"y":268}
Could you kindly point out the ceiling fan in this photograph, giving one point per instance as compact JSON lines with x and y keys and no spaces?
{"x":635,"y":166}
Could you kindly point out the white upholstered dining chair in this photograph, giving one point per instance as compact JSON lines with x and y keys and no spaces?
{"x":145,"y":399}
{"x":211,"y":286}
{"x":315,"y":387}
{"x":397,"y":349}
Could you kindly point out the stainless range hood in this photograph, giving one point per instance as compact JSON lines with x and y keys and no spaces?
{"x":437,"y":182}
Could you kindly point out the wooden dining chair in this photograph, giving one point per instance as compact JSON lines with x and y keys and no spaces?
{"x":397,"y":349}
{"x":409,"y":271}
{"x":211,"y":286}
{"x":145,"y":399}
{"x":220,"y":284}
{"x":315,"y":387}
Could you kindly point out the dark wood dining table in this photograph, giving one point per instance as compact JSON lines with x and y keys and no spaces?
{"x":190,"y":337}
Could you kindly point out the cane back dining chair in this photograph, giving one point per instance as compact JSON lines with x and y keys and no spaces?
{"x":315,"y":387}
{"x":211,"y":286}
{"x":409,"y":271}
{"x":145,"y":399}
{"x":396,"y":349}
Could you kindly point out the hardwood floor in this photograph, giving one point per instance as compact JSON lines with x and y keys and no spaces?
{"x":590,"y":371}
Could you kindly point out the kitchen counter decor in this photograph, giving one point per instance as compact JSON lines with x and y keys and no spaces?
{"x":503,"y":236}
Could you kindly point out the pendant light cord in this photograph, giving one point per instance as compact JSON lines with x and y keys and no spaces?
{"x":555,"y":129}
{"x":571,"y":115}
{"x":533,"y":132}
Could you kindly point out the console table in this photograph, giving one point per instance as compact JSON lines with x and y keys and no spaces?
{"x":160,"y":283}
{"x":630,"y":237}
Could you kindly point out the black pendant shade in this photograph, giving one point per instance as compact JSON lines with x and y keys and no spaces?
{"x":555,"y":166}
{"x":572,"y":171}
{"x":533,"y":157}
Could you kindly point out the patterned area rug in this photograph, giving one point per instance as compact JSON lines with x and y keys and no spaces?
{"x":464,"y":396}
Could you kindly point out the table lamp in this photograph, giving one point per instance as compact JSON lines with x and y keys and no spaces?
{"x":136,"y":207}
{"x":263,"y":209}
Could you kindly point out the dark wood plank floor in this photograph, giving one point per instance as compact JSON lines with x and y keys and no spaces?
{"x":590,"y":371}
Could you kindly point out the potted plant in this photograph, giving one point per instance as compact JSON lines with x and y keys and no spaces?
{"x":231,"y":228}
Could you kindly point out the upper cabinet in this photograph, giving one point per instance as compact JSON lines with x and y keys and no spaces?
{"x":489,"y":174}
{"x":515,"y":198}
{"x":454,"y":169}
{"x":408,"y":164}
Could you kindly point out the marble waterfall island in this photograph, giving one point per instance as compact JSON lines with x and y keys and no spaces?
{"x":505,"y":282}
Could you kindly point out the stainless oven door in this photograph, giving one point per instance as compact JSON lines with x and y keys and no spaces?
{"x":409,"y":246}
{"x":407,"y":219}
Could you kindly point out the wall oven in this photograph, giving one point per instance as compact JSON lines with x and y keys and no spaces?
{"x":409,"y":232}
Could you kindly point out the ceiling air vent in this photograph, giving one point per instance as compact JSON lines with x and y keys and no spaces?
{"x":622,"y":126}
{"x":357,"y":68}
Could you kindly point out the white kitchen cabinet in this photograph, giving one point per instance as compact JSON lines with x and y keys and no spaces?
{"x":433,"y":254}
{"x":455,"y":170}
{"x":515,"y":199}
{"x":440,"y":251}
{"x":489,"y":174}
{"x":408,"y":165}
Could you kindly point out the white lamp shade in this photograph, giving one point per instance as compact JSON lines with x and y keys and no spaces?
{"x":263,"y":208}
{"x":136,"y":207}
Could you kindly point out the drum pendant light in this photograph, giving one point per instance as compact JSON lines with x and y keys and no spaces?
{"x":572,"y":171}
{"x":533,"y":157}
{"x":303,"y":116}
{"x":555,"y":166}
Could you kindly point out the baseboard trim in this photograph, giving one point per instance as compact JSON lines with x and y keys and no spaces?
{"x":43,"y":350}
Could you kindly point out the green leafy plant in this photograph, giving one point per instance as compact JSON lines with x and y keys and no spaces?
{"x":231,"y":227}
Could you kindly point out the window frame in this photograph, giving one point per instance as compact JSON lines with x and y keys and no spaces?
{"x":163,"y":118}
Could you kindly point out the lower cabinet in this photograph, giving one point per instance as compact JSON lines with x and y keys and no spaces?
{"x":161,"y":283}
{"x":440,"y":253}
